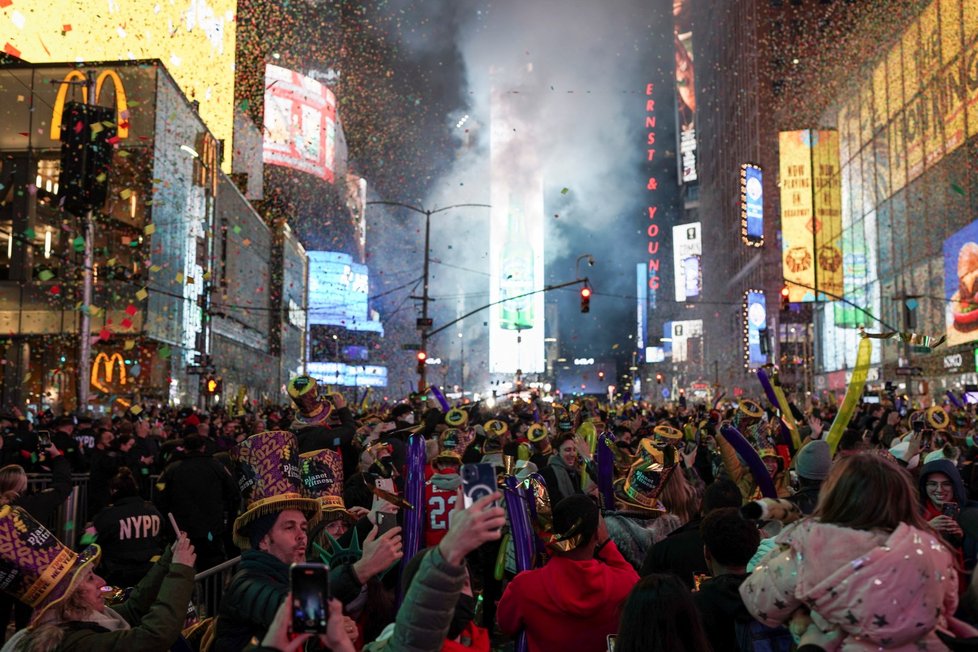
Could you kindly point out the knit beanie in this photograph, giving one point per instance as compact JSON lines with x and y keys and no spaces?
{"x":814,"y":460}
{"x":260,"y":527}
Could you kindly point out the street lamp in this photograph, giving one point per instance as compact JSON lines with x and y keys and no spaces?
{"x":424,"y":323}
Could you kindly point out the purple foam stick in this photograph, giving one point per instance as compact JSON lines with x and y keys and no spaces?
{"x":440,"y":398}
{"x":768,"y":388}
{"x":606,"y":470}
{"x":414,"y":494}
{"x":955,"y":400}
{"x":752,"y":459}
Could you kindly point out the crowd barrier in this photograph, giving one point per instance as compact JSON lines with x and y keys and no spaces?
{"x":209,"y":587}
{"x":70,"y":519}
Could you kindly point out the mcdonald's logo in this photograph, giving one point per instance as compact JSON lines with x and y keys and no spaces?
{"x":107,"y":363}
{"x":121,"y":106}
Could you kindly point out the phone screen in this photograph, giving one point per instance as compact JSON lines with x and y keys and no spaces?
{"x":950,"y":509}
{"x":612,"y":642}
{"x":478,"y":481}
{"x":385,"y":522}
{"x":43,"y":439}
{"x":310,"y":590}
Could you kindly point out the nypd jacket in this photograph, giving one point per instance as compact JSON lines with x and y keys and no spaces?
{"x":129,"y":534}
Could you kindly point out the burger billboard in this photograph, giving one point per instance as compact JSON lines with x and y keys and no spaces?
{"x":961,"y":285}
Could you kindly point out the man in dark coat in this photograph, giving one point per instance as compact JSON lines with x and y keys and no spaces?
{"x":200,"y":493}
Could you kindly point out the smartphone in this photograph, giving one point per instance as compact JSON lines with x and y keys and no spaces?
{"x":698,"y":579}
{"x":478,"y":481}
{"x":386,"y":521}
{"x":612,"y":642}
{"x":43,"y":440}
{"x":951,"y":509}
{"x":310,"y":591}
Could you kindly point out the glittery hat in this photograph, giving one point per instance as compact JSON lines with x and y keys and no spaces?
{"x":312,"y":409}
{"x":457,"y":418}
{"x":640,"y":489}
{"x":322,"y":475}
{"x":496,"y":428}
{"x":35,"y":567}
{"x":270,"y":481}
{"x":536,"y":433}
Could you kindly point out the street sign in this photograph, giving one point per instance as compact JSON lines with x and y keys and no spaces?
{"x":425,"y":323}
{"x":909,"y":371}
{"x":410,"y":347}
{"x":199,"y":370}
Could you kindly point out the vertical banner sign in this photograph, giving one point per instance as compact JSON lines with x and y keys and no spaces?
{"x":685,"y":88}
{"x":687,"y":250}
{"x":751,"y":205}
{"x":652,"y":231}
{"x":755,"y":325}
{"x":811,"y":214}
{"x":641,"y":307}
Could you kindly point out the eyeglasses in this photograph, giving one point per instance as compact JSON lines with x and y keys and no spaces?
{"x":939,"y":485}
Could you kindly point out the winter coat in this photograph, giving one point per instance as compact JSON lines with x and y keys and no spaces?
{"x":426,"y":613}
{"x":129,"y":534}
{"x":680,"y":553}
{"x":43,"y":505}
{"x":882,"y":589}
{"x":559,"y":477}
{"x":155,"y":611}
{"x":721,"y":608}
{"x":568,"y":604}
{"x":630,"y":533}
{"x":198,"y":490}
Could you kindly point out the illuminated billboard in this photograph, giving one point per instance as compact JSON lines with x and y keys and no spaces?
{"x":300,"y":123}
{"x":811,"y":214}
{"x":687,"y":253}
{"x":641,"y":305}
{"x":194,"y":39}
{"x":516,"y":238}
{"x":961,"y":285}
{"x":755,"y":327}
{"x":684,"y":340}
{"x":345,"y":375}
{"x":685,"y":88}
{"x":751,"y":205}
{"x":338,"y":291}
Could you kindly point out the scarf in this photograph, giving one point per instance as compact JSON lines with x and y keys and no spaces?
{"x":562,"y":473}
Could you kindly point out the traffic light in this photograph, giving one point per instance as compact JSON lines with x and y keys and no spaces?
{"x":422,"y":358}
{"x":659,"y":378}
{"x":212,"y":385}
{"x":785,"y":293}
{"x":585,"y":299}
{"x":86,"y":155}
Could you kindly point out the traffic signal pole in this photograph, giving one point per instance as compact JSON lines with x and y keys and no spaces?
{"x":88,"y":260}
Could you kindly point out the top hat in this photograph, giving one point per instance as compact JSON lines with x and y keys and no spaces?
{"x":304,"y":392}
{"x":35,"y":567}
{"x":457,"y":418}
{"x":270,"y":481}
{"x":322,"y":475}
{"x":536,"y":433}
{"x":640,"y":489}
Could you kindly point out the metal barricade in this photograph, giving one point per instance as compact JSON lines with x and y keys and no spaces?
{"x":209,"y":587}
{"x":72,"y":515}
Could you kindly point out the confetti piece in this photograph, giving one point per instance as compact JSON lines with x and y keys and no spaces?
{"x":125,"y":193}
{"x":131,"y":310}
{"x":129,"y":345}
{"x":11,"y":50}
{"x":564,"y":191}
{"x":135,"y":409}
{"x":179,"y":277}
{"x":126,"y":323}
{"x":66,"y":28}
{"x":958,"y":189}
{"x":78,"y":244}
{"x":164,"y":352}
{"x":141,"y":294}
{"x":45,"y":275}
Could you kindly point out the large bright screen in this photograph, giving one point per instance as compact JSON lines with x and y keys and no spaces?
{"x":193,"y":38}
{"x":338,"y":289}
{"x":300,"y":123}
{"x":961,"y":285}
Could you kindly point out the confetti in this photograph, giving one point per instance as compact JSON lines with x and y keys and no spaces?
{"x":141,"y":294}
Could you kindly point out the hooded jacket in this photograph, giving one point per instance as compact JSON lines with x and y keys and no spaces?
{"x":568,"y":604}
{"x":968,"y":546}
{"x":887,"y":590}
{"x":721,"y":607}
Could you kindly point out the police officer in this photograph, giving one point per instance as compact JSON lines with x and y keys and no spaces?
{"x":128,"y":531}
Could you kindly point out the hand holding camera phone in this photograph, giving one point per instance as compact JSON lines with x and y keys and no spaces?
{"x":385,"y":521}
{"x":951,"y":510}
{"x":478,"y":481}
{"x":310,"y":595}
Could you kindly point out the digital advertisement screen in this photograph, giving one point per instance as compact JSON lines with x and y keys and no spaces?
{"x":752,"y":204}
{"x":687,"y":251}
{"x":300,"y":123}
{"x":338,"y":373}
{"x":685,"y":87}
{"x":811,"y":222}
{"x":961,"y":285}
{"x":678,"y":338}
{"x":194,"y":39}
{"x":755,"y":325}
{"x":641,"y":305}
{"x":338,"y":291}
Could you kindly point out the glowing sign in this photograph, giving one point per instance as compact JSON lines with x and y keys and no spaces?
{"x":811,"y":214}
{"x":338,"y":289}
{"x":652,"y":230}
{"x":755,"y":327}
{"x":338,"y":373}
{"x":641,"y":307}
{"x":106,"y":363}
{"x":121,"y":106}
{"x":193,"y":38}
{"x":685,"y":87}
{"x":687,"y":250}
{"x":751,"y":205}
{"x":300,"y":123}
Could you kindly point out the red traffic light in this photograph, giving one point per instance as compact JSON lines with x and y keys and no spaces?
{"x":585,"y":299}
{"x":785,"y":292}
{"x":422,"y":356}
{"x":585,"y":292}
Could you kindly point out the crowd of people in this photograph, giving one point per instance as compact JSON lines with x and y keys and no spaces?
{"x":627,"y":527}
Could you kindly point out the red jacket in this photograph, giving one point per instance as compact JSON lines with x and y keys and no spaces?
{"x":477,"y":638}
{"x":568,"y":605}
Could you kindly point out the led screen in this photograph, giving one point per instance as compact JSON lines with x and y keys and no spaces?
{"x":300,"y":123}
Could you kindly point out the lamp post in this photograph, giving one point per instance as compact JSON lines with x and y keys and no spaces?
{"x":424,"y":323}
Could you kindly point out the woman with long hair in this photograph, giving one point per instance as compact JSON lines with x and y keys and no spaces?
{"x":563,"y":472}
{"x":867,"y":564}
{"x":660,"y":616}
